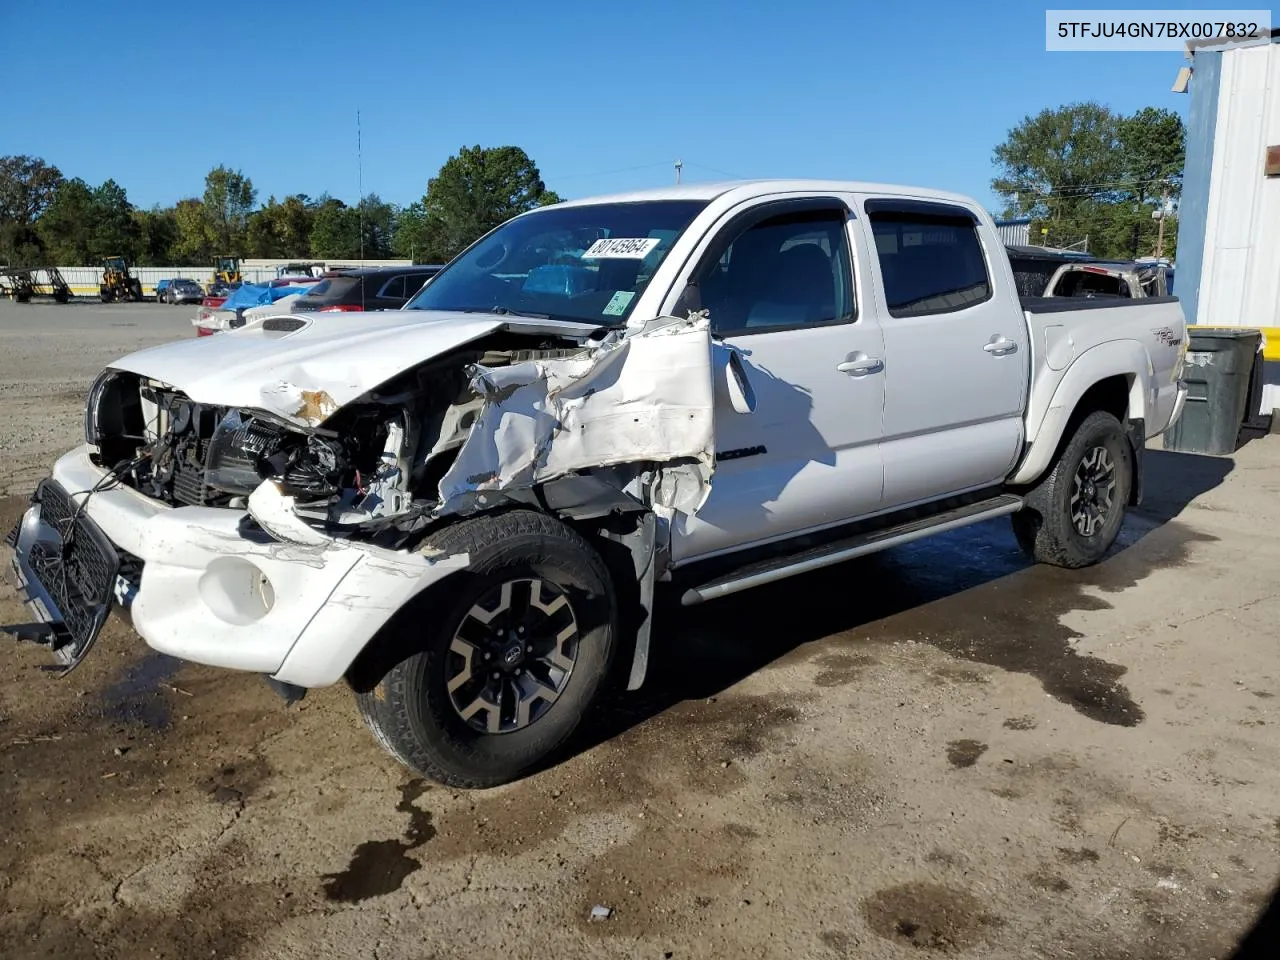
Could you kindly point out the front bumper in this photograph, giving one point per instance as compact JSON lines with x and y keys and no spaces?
{"x":214,"y":591}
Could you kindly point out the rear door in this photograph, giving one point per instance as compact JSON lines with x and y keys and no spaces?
{"x":799,"y":374}
{"x":957,"y":349}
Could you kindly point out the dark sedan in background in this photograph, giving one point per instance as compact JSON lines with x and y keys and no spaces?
{"x":367,"y":288}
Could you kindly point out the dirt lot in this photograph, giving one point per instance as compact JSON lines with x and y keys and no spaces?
{"x":936,"y":751}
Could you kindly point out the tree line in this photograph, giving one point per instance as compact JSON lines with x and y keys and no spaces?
{"x":48,"y":219}
{"x":1088,"y":176}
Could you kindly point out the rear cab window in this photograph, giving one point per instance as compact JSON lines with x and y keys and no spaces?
{"x":931,"y":259}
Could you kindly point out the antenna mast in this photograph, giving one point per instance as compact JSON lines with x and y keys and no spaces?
{"x":360,"y":184}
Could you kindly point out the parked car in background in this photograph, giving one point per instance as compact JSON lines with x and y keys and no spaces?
{"x":180,"y":290}
{"x":368,"y":288}
{"x":161,"y":287}
{"x":250,"y":301}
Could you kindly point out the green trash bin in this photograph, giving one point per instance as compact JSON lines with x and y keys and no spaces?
{"x":1216,"y":374}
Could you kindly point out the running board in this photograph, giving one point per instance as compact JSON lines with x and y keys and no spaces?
{"x":778,"y":568}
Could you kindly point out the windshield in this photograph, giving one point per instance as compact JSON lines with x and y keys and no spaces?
{"x":587,"y":263}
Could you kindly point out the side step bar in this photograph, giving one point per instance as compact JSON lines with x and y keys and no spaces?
{"x":778,"y":568}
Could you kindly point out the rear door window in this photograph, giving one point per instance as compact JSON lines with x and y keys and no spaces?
{"x":930,"y":262}
{"x":393,"y":290}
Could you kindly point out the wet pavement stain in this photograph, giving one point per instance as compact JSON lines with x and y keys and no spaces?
{"x":236,"y":782}
{"x":1047,"y":880}
{"x":929,"y":916}
{"x":970,"y":593}
{"x":940,"y":856}
{"x":140,"y":696}
{"x":965,"y":753}
{"x":379,"y":867}
{"x":838,"y":669}
{"x":1020,"y":723}
{"x":1078,"y":856}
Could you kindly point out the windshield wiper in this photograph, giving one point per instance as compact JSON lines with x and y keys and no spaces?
{"x":507,"y":312}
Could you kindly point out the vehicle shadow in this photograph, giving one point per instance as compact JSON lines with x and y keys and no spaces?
{"x":971,"y":593}
{"x":1263,"y":938}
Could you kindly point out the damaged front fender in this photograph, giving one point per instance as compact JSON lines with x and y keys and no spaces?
{"x":645,"y":399}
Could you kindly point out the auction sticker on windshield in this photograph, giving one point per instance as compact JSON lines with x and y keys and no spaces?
{"x":617,"y":304}
{"x":621,"y":248}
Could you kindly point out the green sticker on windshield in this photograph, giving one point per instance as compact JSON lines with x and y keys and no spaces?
{"x":617,"y":304}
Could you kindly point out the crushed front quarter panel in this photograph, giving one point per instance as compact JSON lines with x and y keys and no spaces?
{"x":643,"y":398}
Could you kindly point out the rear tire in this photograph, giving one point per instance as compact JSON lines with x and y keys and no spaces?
{"x":1072,"y":517}
{"x":425,"y":690}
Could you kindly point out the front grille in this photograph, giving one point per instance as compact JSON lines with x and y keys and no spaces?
{"x":79,"y":574}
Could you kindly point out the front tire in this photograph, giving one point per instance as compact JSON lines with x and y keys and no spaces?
{"x":1073,"y":516}
{"x":502,"y":662}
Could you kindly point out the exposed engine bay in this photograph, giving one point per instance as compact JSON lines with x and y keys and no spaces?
{"x":374,"y":465}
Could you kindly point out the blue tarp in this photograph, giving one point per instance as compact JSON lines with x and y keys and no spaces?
{"x":253,"y":295}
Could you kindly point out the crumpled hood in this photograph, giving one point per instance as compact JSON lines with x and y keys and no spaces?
{"x":306,"y":374}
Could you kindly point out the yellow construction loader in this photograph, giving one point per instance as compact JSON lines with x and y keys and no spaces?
{"x":117,"y":282}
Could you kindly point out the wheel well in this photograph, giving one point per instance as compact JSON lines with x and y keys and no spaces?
{"x":1110,"y":394}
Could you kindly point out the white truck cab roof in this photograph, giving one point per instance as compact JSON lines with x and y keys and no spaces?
{"x":751,"y":189}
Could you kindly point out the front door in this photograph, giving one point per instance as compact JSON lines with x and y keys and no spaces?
{"x":800,"y":379}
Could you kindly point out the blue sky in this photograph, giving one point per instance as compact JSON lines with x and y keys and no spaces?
{"x":604,"y":96}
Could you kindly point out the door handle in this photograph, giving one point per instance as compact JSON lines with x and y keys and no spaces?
{"x":1000,"y":346}
{"x":861,"y":366}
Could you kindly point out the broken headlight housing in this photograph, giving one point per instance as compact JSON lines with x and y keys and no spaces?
{"x":238,"y":446}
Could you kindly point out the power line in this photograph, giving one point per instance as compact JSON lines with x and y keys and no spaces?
{"x":722,"y":173}
{"x":609,"y":173}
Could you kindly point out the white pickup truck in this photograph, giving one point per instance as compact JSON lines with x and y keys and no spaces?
{"x":462,"y":508}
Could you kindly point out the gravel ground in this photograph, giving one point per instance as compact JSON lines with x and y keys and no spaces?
{"x":936,"y":751}
{"x":49,"y":355}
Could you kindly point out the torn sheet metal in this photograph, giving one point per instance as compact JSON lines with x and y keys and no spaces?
{"x":646,"y":398}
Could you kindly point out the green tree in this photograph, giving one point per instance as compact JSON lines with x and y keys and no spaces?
{"x":228,"y":199}
{"x":196,"y":237}
{"x":377,"y":219}
{"x":338,"y":230}
{"x":1087,"y":174}
{"x":27,"y":188}
{"x":115,"y":232}
{"x":335,"y":231}
{"x":413,"y":237}
{"x":66,"y":226}
{"x":282,"y":229}
{"x":157,"y":236}
{"x":475,"y":191}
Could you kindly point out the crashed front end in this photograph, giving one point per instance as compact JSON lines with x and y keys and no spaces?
{"x":280,"y":538}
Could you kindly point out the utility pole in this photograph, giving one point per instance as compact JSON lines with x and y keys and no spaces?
{"x":679,"y":167}
{"x":1164,"y":211}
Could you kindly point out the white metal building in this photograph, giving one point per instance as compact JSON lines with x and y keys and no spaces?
{"x":1229,"y":232}
{"x":1229,"y":217}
